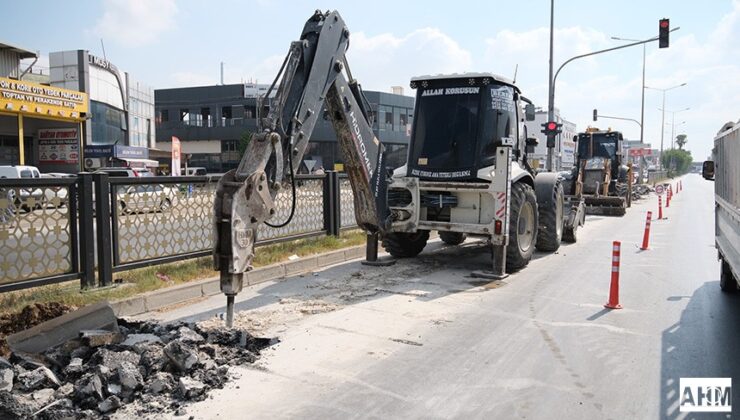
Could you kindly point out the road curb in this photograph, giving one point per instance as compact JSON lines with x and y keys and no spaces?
{"x":157,"y":299}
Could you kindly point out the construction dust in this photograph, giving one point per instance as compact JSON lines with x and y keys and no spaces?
{"x":143,"y":370}
{"x":274,"y":319}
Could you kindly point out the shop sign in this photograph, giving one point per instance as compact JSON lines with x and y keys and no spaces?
{"x":116,"y":151}
{"x":33,"y":98}
{"x":58,"y":145}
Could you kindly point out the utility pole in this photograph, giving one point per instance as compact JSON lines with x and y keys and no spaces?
{"x":662,"y":118}
{"x":662,"y":131}
{"x":551,"y":91}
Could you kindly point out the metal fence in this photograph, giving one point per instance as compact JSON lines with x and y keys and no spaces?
{"x":59,"y":229}
{"x":656,"y":176}
{"x":38,"y":230}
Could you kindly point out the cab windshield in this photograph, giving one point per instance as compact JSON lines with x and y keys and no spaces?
{"x":457,"y":129}
{"x":597,"y":145}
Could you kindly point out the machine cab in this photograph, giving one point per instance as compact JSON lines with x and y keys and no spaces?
{"x":459,"y":122}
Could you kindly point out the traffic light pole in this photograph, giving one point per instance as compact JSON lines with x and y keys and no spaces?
{"x":553,"y":79}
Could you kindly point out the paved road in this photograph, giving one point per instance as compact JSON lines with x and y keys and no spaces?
{"x":424,"y":340}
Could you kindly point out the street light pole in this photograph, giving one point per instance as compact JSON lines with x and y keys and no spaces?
{"x":642,"y":89}
{"x":662,"y":118}
{"x":642,"y":105}
{"x":662,"y":131}
{"x":551,"y":96}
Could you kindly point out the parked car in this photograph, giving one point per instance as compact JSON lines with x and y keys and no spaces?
{"x":196,"y":171}
{"x":126,"y":172}
{"x":141,"y":198}
{"x":56,"y":192}
{"x":22,"y":198}
{"x":147,"y":198}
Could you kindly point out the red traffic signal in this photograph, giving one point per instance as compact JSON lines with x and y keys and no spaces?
{"x":664,"y":30}
{"x":551,"y":129}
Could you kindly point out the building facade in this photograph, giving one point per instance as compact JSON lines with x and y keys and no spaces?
{"x":564,"y":152}
{"x":121,"y":109}
{"x":40,"y":125}
{"x":211,"y":121}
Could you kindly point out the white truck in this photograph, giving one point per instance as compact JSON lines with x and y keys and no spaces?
{"x":724,"y":169}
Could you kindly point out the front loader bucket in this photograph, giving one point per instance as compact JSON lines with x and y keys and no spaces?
{"x":606,"y":206}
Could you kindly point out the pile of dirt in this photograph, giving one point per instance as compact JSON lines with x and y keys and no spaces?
{"x":28,"y":317}
{"x":157,"y":367}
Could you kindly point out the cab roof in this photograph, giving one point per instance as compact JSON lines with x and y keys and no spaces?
{"x":467,"y":75}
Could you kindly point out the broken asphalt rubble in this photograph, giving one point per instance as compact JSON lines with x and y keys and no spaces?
{"x":101,"y":370}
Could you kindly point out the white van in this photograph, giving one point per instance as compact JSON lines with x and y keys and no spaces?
{"x":196,"y":171}
{"x":22,"y":171}
{"x":19,"y":171}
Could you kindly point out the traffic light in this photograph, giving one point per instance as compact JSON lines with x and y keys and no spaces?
{"x":596,"y":115}
{"x":664,"y":30}
{"x":551,"y":129}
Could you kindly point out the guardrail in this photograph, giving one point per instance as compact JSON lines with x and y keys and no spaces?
{"x":56,"y":229}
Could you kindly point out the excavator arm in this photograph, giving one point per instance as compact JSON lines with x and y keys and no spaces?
{"x":314,"y":75}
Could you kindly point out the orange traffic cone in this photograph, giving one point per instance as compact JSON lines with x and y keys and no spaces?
{"x":613,"y":302}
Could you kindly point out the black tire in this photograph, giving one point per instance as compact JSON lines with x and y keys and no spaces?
{"x":727,"y":281}
{"x":452,"y":238}
{"x":550,"y":228}
{"x":405,"y":245}
{"x":519,"y":252}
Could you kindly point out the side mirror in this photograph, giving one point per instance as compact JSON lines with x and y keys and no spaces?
{"x":575,"y":139}
{"x":531,"y":143}
{"x":529,"y":112}
{"x":707,"y":170}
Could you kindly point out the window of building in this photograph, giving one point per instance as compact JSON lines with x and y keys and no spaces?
{"x":226,"y":115}
{"x":164,"y":115}
{"x":389,"y":119}
{"x":108,"y":124}
{"x":205,"y":114}
{"x":185,"y":116}
{"x":228,"y":146}
{"x":250,"y":112}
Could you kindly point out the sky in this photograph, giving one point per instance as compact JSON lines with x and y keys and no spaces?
{"x":172,"y":43}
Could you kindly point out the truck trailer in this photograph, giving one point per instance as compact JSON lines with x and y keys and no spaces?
{"x":724,"y":169}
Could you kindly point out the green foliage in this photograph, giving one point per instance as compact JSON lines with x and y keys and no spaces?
{"x":681,"y":140}
{"x":241,"y":146}
{"x":677,"y":161}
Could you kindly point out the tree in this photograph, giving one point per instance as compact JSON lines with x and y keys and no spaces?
{"x":681,"y":140}
{"x":677,"y":161}
{"x":241,"y":146}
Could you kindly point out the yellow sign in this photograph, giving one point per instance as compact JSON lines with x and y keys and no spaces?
{"x":31,"y":99}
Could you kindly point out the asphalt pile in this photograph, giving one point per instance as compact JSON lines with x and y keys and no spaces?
{"x":159,"y":367}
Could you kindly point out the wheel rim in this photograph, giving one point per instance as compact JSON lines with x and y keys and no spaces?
{"x":165,"y":205}
{"x":525,"y":230}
